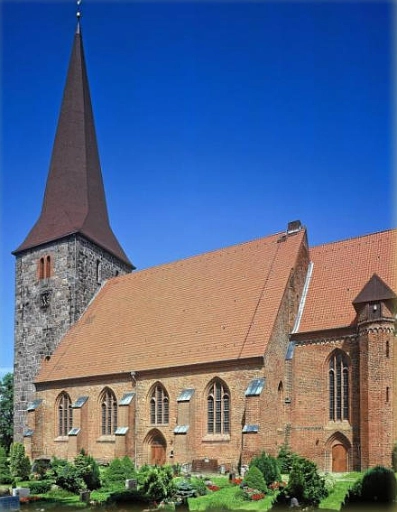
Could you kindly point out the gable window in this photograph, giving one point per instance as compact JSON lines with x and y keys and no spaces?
{"x":218,"y":409}
{"x":108,"y":412}
{"x":338,"y":379}
{"x":159,"y":406}
{"x":65,"y":414}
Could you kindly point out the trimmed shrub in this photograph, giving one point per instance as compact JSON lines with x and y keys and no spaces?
{"x":268,"y":466}
{"x":255,"y":480}
{"x":378,"y":485}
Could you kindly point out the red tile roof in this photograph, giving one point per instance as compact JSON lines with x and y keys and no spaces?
{"x":218,"y":306}
{"x":340,"y":272}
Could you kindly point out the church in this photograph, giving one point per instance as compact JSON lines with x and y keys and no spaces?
{"x":204,"y":362}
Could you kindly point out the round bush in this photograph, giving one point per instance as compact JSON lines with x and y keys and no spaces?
{"x":379,"y":485}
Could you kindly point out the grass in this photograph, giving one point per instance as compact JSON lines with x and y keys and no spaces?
{"x":340,"y":483}
{"x":227,"y":498}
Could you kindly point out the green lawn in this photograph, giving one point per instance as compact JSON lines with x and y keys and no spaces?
{"x":341,"y":483}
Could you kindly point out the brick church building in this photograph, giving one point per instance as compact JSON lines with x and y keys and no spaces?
{"x":205,"y":361}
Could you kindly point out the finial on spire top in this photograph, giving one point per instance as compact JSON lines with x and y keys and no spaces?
{"x":78,"y":15}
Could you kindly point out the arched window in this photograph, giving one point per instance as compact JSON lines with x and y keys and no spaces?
{"x":48,"y":266}
{"x":44,"y":267}
{"x":41,"y":268}
{"x":338,"y":378}
{"x":108,"y":412}
{"x":65,"y":414}
{"x":159,"y":406}
{"x":218,"y":409}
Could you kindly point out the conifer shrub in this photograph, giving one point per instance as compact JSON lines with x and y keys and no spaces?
{"x":19,"y":463}
{"x":255,"y":479}
{"x":285,"y":459}
{"x":157,"y":483}
{"x":118,"y":471}
{"x":66,"y":475}
{"x":268,"y":466}
{"x":88,"y":469}
{"x":305,"y":483}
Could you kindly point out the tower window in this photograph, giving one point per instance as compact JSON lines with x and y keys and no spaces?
{"x":338,"y":378}
{"x":65,"y":414}
{"x":218,"y":409}
{"x":108,"y":412}
{"x":387,"y":349}
{"x":44,"y":267}
{"x":98,"y":272}
{"x":159,"y":406}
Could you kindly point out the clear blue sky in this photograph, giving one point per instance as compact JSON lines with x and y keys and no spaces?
{"x":217,"y":122}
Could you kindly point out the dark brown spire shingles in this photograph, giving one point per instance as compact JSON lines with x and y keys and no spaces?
{"x":74,"y":200}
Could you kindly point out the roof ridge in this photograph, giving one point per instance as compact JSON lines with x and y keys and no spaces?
{"x":351,"y":238}
{"x":226,"y":248}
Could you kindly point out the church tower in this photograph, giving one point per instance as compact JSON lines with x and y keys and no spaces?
{"x":376,"y":307}
{"x":71,"y":250}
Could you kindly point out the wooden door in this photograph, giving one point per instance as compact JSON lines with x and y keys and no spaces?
{"x":157,"y":454}
{"x":339,"y":458}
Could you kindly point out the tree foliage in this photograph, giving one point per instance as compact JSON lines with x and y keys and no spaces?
{"x":6,"y":410}
{"x":5,"y":475}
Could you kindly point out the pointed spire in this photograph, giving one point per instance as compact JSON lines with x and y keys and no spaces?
{"x":74,"y":200}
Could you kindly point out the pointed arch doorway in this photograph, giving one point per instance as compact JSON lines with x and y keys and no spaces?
{"x":156,"y":446}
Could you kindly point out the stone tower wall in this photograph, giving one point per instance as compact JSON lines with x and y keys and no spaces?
{"x":54,"y":284}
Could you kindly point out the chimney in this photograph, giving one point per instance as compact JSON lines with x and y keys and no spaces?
{"x":294,"y":227}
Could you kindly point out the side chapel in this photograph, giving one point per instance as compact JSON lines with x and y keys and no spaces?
{"x":206,"y":361}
